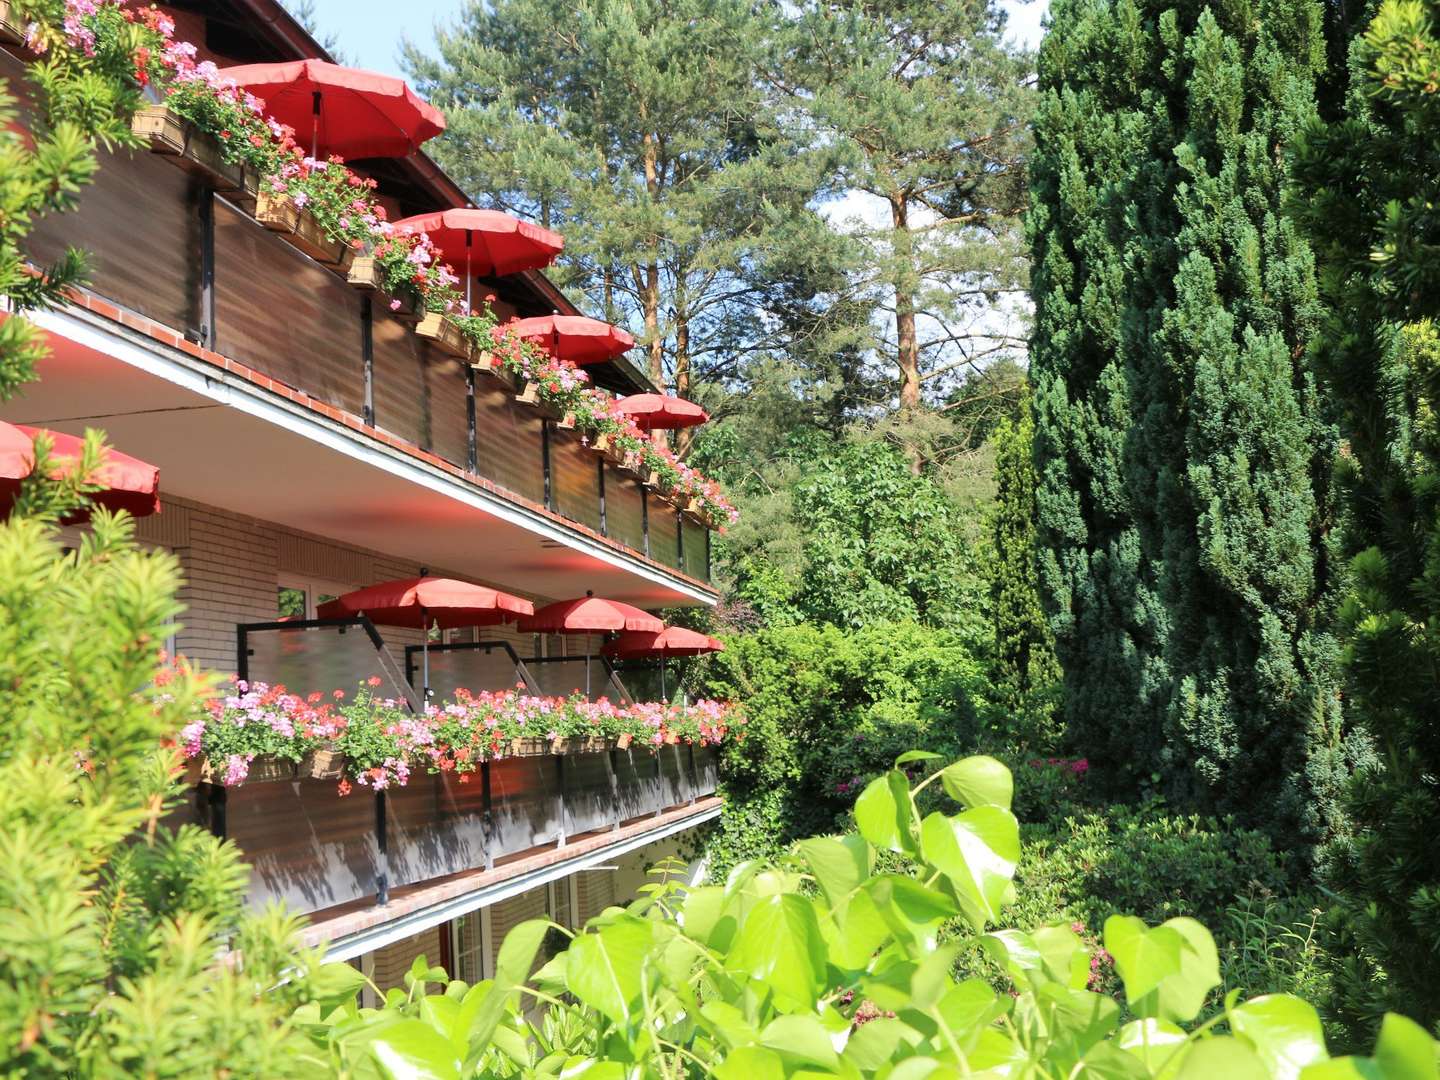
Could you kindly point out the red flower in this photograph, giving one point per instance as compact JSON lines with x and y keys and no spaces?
{"x":373,"y":680}
{"x":344,"y":787}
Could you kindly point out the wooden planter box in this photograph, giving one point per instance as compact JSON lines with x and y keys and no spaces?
{"x":197,"y":153}
{"x":323,"y":765}
{"x":622,"y":742}
{"x":197,"y":771}
{"x":526,"y":392}
{"x":11,"y":32}
{"x":590,"y":744}
{"x":529,"y":747}
{"x":444,"y":334}
{"x":267,"y":769}
{"x":279,"y":214}
{"x":364,"y":274}
{"x":563,"y":745}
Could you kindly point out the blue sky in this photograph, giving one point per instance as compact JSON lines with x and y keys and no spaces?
{"x":369,"y":30}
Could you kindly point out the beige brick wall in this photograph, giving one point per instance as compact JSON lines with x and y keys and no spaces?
{"x":233,"y":565}
{"x":393,"y":961}
{"x":596,"y":891}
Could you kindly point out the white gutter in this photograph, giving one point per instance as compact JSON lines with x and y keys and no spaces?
{"x":377,"y":937}
{"x":129,"y":347}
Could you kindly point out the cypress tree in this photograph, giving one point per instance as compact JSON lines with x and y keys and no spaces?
{"x":1024,"y":671}
{"x":1184,"y":503}
{"x":1366,"y":189}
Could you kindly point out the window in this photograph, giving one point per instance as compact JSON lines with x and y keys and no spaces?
{"x":297,"y":598}
{"x":470,"y":946}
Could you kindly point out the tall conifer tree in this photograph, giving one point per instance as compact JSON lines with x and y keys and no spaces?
{"x":1367,"y":186}
{"x":1184,"y":504}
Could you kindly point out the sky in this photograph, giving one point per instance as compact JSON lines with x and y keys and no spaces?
{"x":368,"y":34}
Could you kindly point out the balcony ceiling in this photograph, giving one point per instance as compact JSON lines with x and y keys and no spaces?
{"x":278,"y":470}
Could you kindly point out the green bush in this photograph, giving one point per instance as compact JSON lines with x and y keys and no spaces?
{"x":828,"y":708}
{"x":830,"y":961}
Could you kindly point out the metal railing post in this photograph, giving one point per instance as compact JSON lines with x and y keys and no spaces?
{"x":382,"y":877}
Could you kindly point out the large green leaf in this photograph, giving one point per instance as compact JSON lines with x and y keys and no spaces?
{"x":780,"y":944}
{"x":605,"y":969}
{"x":1404,"y":1050}
{"x":911,"y":911}
{"x":978,"y":851}
{"x":512,"y":967}
{"x":861,"y":930}
{"x":1049,"y":954}
{"x":979,"y":781}
{"x":412,"y":1050}
{"x":801,"y":1038}
{"x":1221,"y":1057}
{"x":1167,"y":970}
{"x":1154,"y":1042}
{"x":885,"y":815}
{"x":839,"y":865}
{"x":1283,"y":1030}
{"x":878,"y":1042}
{"x":751,"y":1063}
{"x":334,"y":985}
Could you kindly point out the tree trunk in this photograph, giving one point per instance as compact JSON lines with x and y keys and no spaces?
{"x":650,"y":289}
{"x":682,"y":361}
{"x":908,"y":345}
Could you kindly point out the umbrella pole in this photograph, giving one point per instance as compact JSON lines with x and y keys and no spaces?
{"x":587,"y":667}
{"x":664,"y":697}
{"x":425,"y":655}
{"x":469,"y":278}
{"x":315,"y":125}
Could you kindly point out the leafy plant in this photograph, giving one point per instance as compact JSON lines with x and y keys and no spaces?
{"x":828,"y":962}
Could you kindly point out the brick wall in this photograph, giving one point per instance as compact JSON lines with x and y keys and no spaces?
{"x":233,"y":564}
{"x":393,"y":961}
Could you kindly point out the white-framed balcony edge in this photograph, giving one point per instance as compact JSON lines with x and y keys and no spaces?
{"x":223,"y":387}
{"x":422,"y":919}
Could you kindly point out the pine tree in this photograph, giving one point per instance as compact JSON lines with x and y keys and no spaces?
{"x":642,"y":132}
{"x":928,"y":106}
{"x":1184,"y":502}
{"x":1025,"y":673}
{"x":1367,"y":185}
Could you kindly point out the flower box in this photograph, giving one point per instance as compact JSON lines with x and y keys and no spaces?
{"x":485,"y":360}
{"x":529,"y":747}
{"x":11,"y":32}
{"x":622,"y":742}
{"x":593,"y":744}
{"x":562,"y":745}
{"x":527,"y":392}
{"x":566,"y":422}
{"x":671,"y":738}
{"x":651,"y":479}
{"x":268,"y":769}
{"x":197,"y":770}
{"x":169,"y":134}
{"x":323,"y":765}
{"x":601,"y":442}
{"x":444,"y":334}
{"x":298,"y":226}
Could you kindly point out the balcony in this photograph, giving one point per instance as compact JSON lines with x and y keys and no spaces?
{"x":165,"y":247}
{"x":337,"y":857}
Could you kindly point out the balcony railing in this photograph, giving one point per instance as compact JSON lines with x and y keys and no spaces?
{"x":313,"y":849}
{"x":164,"y":245}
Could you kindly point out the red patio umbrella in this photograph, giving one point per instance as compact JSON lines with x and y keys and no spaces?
{"x":672,"y":641}
{"x":652,"y":411}
{"x":428,"y":601}
{"x":589,"y":614}
{"x":348,"y":111}
{"x":128,"y":483}
{"x":485,"y":241}
{"x":575,"y":338}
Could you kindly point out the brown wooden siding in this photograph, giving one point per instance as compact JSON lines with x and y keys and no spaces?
{"x":623,"y":518}
{"x":449,"y":423}
{"x":401,"y":392}
{"x":509,"y":441}
{"x":695,"y":561}
{"x":664,"y":533}
{"x":139,"y":225}
{"x":574,"y":478}
{"x":282,"y":314}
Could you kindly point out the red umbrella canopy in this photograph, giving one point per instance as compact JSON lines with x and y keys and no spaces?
{"x":127,"y":482}
{"x":589,"y":615}
{"x":672,"y":641}
{"x":573,"y":337}
{"x":651,"y":411}
{"x":345,"y":111}
{"x":498,"y":244}
{"x":428,"y":601}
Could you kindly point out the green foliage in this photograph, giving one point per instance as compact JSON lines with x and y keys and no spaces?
{"x":827,"y":709}
{"x":112,"y":923}
{"x":1366,"y":190}
{"x":828,"y":962}
{"x":1024,"y":670}
{"x":855,"y":539}
{"x":1184,"y":503}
